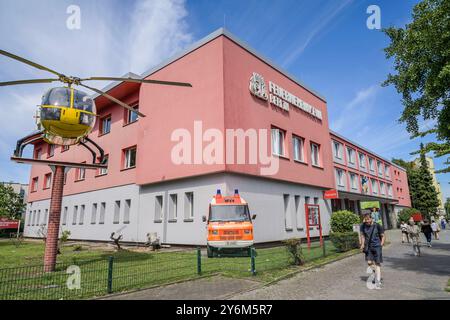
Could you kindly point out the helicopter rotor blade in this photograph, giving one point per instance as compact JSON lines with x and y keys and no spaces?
{"x":170,"y":83}
{"x":31,"y":63}
{"x":124,"y":105}
{"x":12,"y":83}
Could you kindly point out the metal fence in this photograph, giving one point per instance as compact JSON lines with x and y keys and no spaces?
{"x":80,"y":279}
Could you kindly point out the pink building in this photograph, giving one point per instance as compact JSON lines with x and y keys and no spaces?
{"x":163,"y":169}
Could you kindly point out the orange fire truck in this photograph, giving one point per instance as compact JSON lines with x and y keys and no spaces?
{"x":230,"y":228}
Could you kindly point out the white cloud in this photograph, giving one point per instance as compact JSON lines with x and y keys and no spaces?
{"x":353,"y":115}
{"x":115,"y":37}
{"x":319,"y":25}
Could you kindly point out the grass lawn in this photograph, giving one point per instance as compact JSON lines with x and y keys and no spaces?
{"x":22,"y":277}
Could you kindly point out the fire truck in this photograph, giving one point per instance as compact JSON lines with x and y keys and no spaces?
{"x":229,"y":225}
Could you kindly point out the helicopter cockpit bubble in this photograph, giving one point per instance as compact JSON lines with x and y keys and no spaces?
{"x":68,"y":114}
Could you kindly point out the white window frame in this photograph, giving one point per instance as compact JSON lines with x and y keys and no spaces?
{"x":317,"y":147}
{"x":351,"y":155}
{"x":337,"y":149}
{"x":127,"y":158}
{"x":298,"y":145}
{"x":362,"y":162}
{"x":278,"y":136}
{"x":189,"y":203}
{"x":104,"y":119}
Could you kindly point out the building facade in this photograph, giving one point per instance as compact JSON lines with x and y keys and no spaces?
{"x":163,"y":169}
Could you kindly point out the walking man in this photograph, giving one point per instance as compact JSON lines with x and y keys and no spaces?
{"x":405,"y":234}
{"x":372,"y":240}
{"x":414,"y":233}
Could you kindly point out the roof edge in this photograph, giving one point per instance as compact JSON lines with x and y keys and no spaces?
{"x":213,"y":35}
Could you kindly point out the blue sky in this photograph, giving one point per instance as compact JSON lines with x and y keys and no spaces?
{"x":324,"y":43}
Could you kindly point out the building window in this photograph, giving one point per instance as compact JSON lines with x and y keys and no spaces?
{"x":278,"y":141}
{"x":298,"y":212}
{"x":64,"y":217}
{"x":380,"y":168}
{"x":173,"y":207}
{"x":82,"y":214}
{"x":353,"y":181}
{"x":351,"y":155}
{"x":389,"y":190}
{"x":102,"y":213}
{"x":116,"y":212}
{"x":371,"y":165}
{"x":189,"y":205}
{"x":37,"y":153}
{"x":34,"y":184}
{"x":298,"y":143}
{"x":315,"y":151}
{"x":29,"y":218}
{"x":386,"y":171}
{"x":126,"y":211}
{"x":362,"y":160}
{"x":340,"y":177}
{"x":374,"y":186}
{"x":47,"y":181}
{"x":81,"y":173}
{"x":75,"y":214}
{"x":130,"y":115}
{"x":94,"y":214}
{"x":382,"y":190}
{"x":34,"y":218}
{"x":129,"y":158}
{"x":45,"y":217}
{"x":105,"y":125}
{"x":287,"y":212}
{"x":38,"y":220}
{"x":337,"y":150}
{"x":103,"y":171}
{"x":159,"y":208}
{"x":50,"y":150}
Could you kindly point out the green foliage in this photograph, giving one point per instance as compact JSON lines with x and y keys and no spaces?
{"x":11,"y":203}
{"x":424,"y":196}
{"x":422,"y":64}
{"x":293,"y":247}
{"x":405,"y":214}
{"x":345,"y":241}
{"x":447,"y":207}
{"x":343,"y":221}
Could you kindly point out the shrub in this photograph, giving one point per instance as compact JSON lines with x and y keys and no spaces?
{"x":293,"y":247}
{"x":345,"y":241}
{"x":343,"y":221}
{"x":405,"y":214}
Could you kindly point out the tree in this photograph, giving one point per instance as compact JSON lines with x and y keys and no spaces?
{"x":447,"y":207}
{"x":11,"y":203}
{"x":425,"y":194}
{"x":422,"y":63}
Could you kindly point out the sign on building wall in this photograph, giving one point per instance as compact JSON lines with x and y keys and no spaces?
{"x":280,"y":97}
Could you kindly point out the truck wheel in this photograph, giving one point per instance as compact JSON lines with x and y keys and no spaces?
{"x":209,"y":251}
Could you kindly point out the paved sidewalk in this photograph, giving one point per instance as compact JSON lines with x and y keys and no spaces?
{"x":405,"y":276}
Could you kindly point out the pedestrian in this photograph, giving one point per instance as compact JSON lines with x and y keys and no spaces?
{"x":443,"y":224}
{"x":405,"y":234}
{"x":427,"y":231}
{"x":372,"y":240}
{"x":436,"y":229}
{"x":414,"y":233}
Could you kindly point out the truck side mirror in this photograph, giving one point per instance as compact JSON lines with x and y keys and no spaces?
{"x":254,"y":217}
{"x":204,"y":218}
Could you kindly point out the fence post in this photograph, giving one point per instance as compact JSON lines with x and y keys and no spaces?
{"x":199,"y":261}
{"x":324,"y":249}
{"x":252,"y":259}
{"x":110,"y":273}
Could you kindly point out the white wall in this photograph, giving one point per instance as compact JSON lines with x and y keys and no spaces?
{"x":264,"y":196}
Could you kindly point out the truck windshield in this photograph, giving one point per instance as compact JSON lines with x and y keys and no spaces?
{"x":229,"y":213}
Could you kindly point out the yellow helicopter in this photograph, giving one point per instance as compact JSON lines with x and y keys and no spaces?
{"x":68,"y":115}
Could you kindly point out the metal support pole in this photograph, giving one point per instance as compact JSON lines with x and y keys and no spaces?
{"x":252,"y":260}
{"x":110,"y":274}
{"x":199,"y":261}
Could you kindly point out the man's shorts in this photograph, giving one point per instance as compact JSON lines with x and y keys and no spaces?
{"x":375,"y":254}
